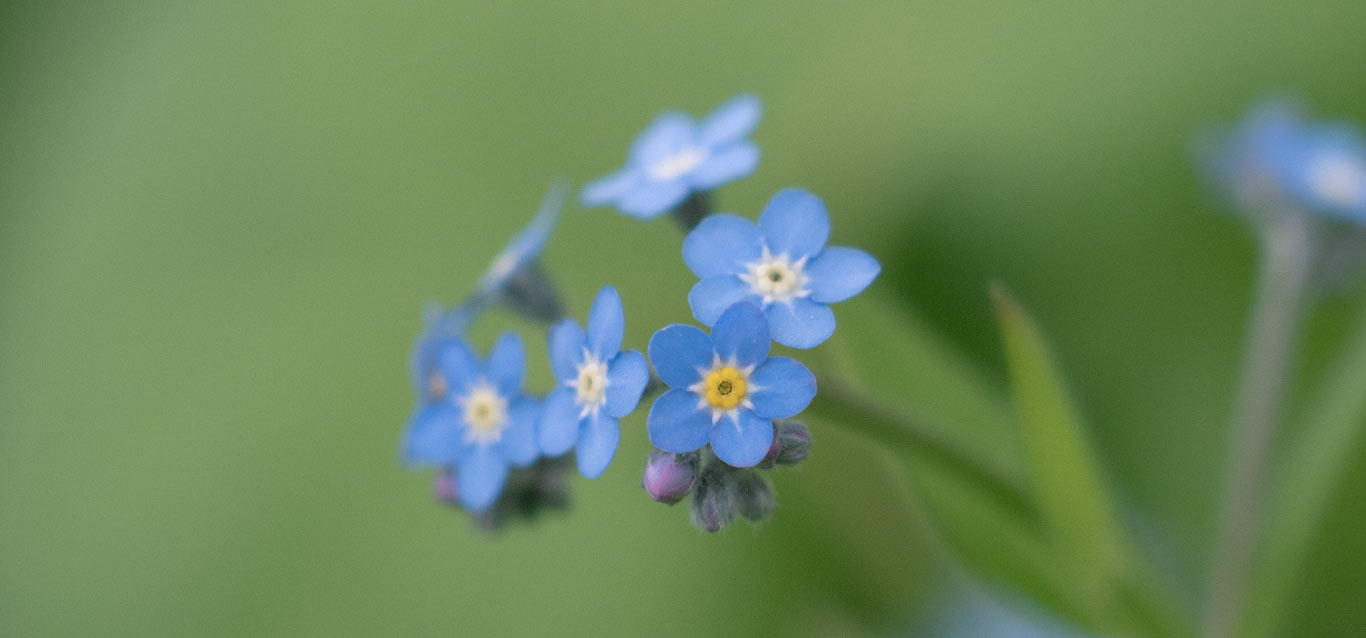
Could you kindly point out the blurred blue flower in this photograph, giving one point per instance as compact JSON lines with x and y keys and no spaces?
{"x":441,"y":326}
{"x":515,"y":278}
{"x":476,"y":420}
{"x":1277,"y":159}
{"x":782,"y":265}
{"x":676,"y":156}
{"x":725,"y":389}
{"x":598,"y":385}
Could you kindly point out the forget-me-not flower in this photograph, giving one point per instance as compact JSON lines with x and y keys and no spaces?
{"x":676,"y":156}
{"x":781,"y":265}
{"x":1277,"y":159}
{"x":726,"y":390}
{"x":599,"y":384}
{"x":477,"y":420}
{"x":515,"y":277}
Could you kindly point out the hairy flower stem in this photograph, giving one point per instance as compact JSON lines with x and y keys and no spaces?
{"x":838,"y":404}
{"x":1288,"y":247}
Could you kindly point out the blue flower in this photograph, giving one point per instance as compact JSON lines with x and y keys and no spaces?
{"x":476,"y":418}
{"x":515,"y":278}
{"x":1277,"y":159}
{"x":598,"y":385}
{"x":726,"y":390}
{"x":676,"y":156}
{"x":441,"y":326}
{"x":782,"y":265}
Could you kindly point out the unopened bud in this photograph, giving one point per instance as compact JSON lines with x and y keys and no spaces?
{"x":713,"y":502}
{"x":669,"y":477}
{"x":443,"y":488}
{"x":753,"y":495}
{"x":793,"y":441}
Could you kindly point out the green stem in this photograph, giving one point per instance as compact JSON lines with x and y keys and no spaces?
{"x":1289,"y":241}
{"x":839,"y":405}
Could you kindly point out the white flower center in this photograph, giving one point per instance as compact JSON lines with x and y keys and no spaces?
{"x":1338,"y":178}
{"x":591,"y":384}
{"x":776,"y":278}
{"x":486,"y":413}
{"x":676,"y":165}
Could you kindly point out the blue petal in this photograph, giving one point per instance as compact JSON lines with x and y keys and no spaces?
{"x":518,"y":442}
{"x":795,"y":223}
{"x":839,"y":273}
{"x":597,"y":443}
{"x":610,"y":188}
{"x":722,"y":244}
{"x":627,"y":376}
{"x":800,"y":323}
{"x":726,"y":165}
{"x":457,"y":364}
{"x":713,"y":295}
{"x":507,"y":364}
{"x":731,"y":121}
{"x":741,"y":334}
{"x":676,"y":423}
{"x":678,"y":352}
{"x":668,"y":134}
{"x":558,"y":428}
{"x":742,"y":440}
{"x":480,"y":477}
{"x":649,"y":200}
{"x":780,"y":388}
{"x":566,"y":349}
{"x":606,"y":323}
{"x":433,"y":436}
{"x":529,"y":242}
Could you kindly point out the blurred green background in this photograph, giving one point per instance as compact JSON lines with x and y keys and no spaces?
{"x":219,"y":222}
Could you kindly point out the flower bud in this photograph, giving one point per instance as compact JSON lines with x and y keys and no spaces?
{"x":713,"y":502}
{"x":669,"y":477}
{"x":753,"y":495}
{"x":443,"y":488}
{"x":793,"y":440}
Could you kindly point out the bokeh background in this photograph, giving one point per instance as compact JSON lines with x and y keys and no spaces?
{"x":219,"y":222}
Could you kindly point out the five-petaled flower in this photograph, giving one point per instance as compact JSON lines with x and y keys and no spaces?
{"x":476,"y":418}
{"x":676,"y":156}
{"x":782,"y":265}
{"x":726,"y":390}
{"x":598,"y":385}
{"x":1278,"y":160}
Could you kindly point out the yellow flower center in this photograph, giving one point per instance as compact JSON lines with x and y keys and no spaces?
{"x":436,"y":386}
{"x":725,"y":388}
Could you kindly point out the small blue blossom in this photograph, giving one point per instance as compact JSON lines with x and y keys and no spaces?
{"x":781,"y":265}
{"x":515,"y":278}
{"x":1277,"y":159}
{"x":476,"y":418}
{"x":441,"y":326}
{"x":725,"y":389}
{"x":676,"y":156}
{"x":599,"y":384}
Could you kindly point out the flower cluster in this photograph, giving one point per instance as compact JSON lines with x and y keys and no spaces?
{"x":725,"y":405}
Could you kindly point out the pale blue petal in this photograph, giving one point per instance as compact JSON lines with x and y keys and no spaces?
{"x":725,"y":165}
{"x":678,"y":352}
{"x":457,"y":364}
{"x":668,"y":134}
{"x":800,"y":323}
{"x":713,"y":295}
{"x":731,"y":121}
{"x":610,"y":188}
{"x":606,"y":324}
{"x":480,"y":477}
{"x":528,"y":243}
{"x":627,"y":376}
{"x":566,"y":349}
{"x":507,"y":364}
{"x":722,"y":244}
{"x":597,"y":444}
{"x":433,"y":436}
{"x":558,"y":428}
{"x":518,"y":442}
{"x":780,"y":388}
{"x":839,"y":273}
{"x":742,"y":441}
{"x":741,"y":335}
{"x":795,"y":223}
{"x":649,"y":200}
{"x":676,"y":423}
